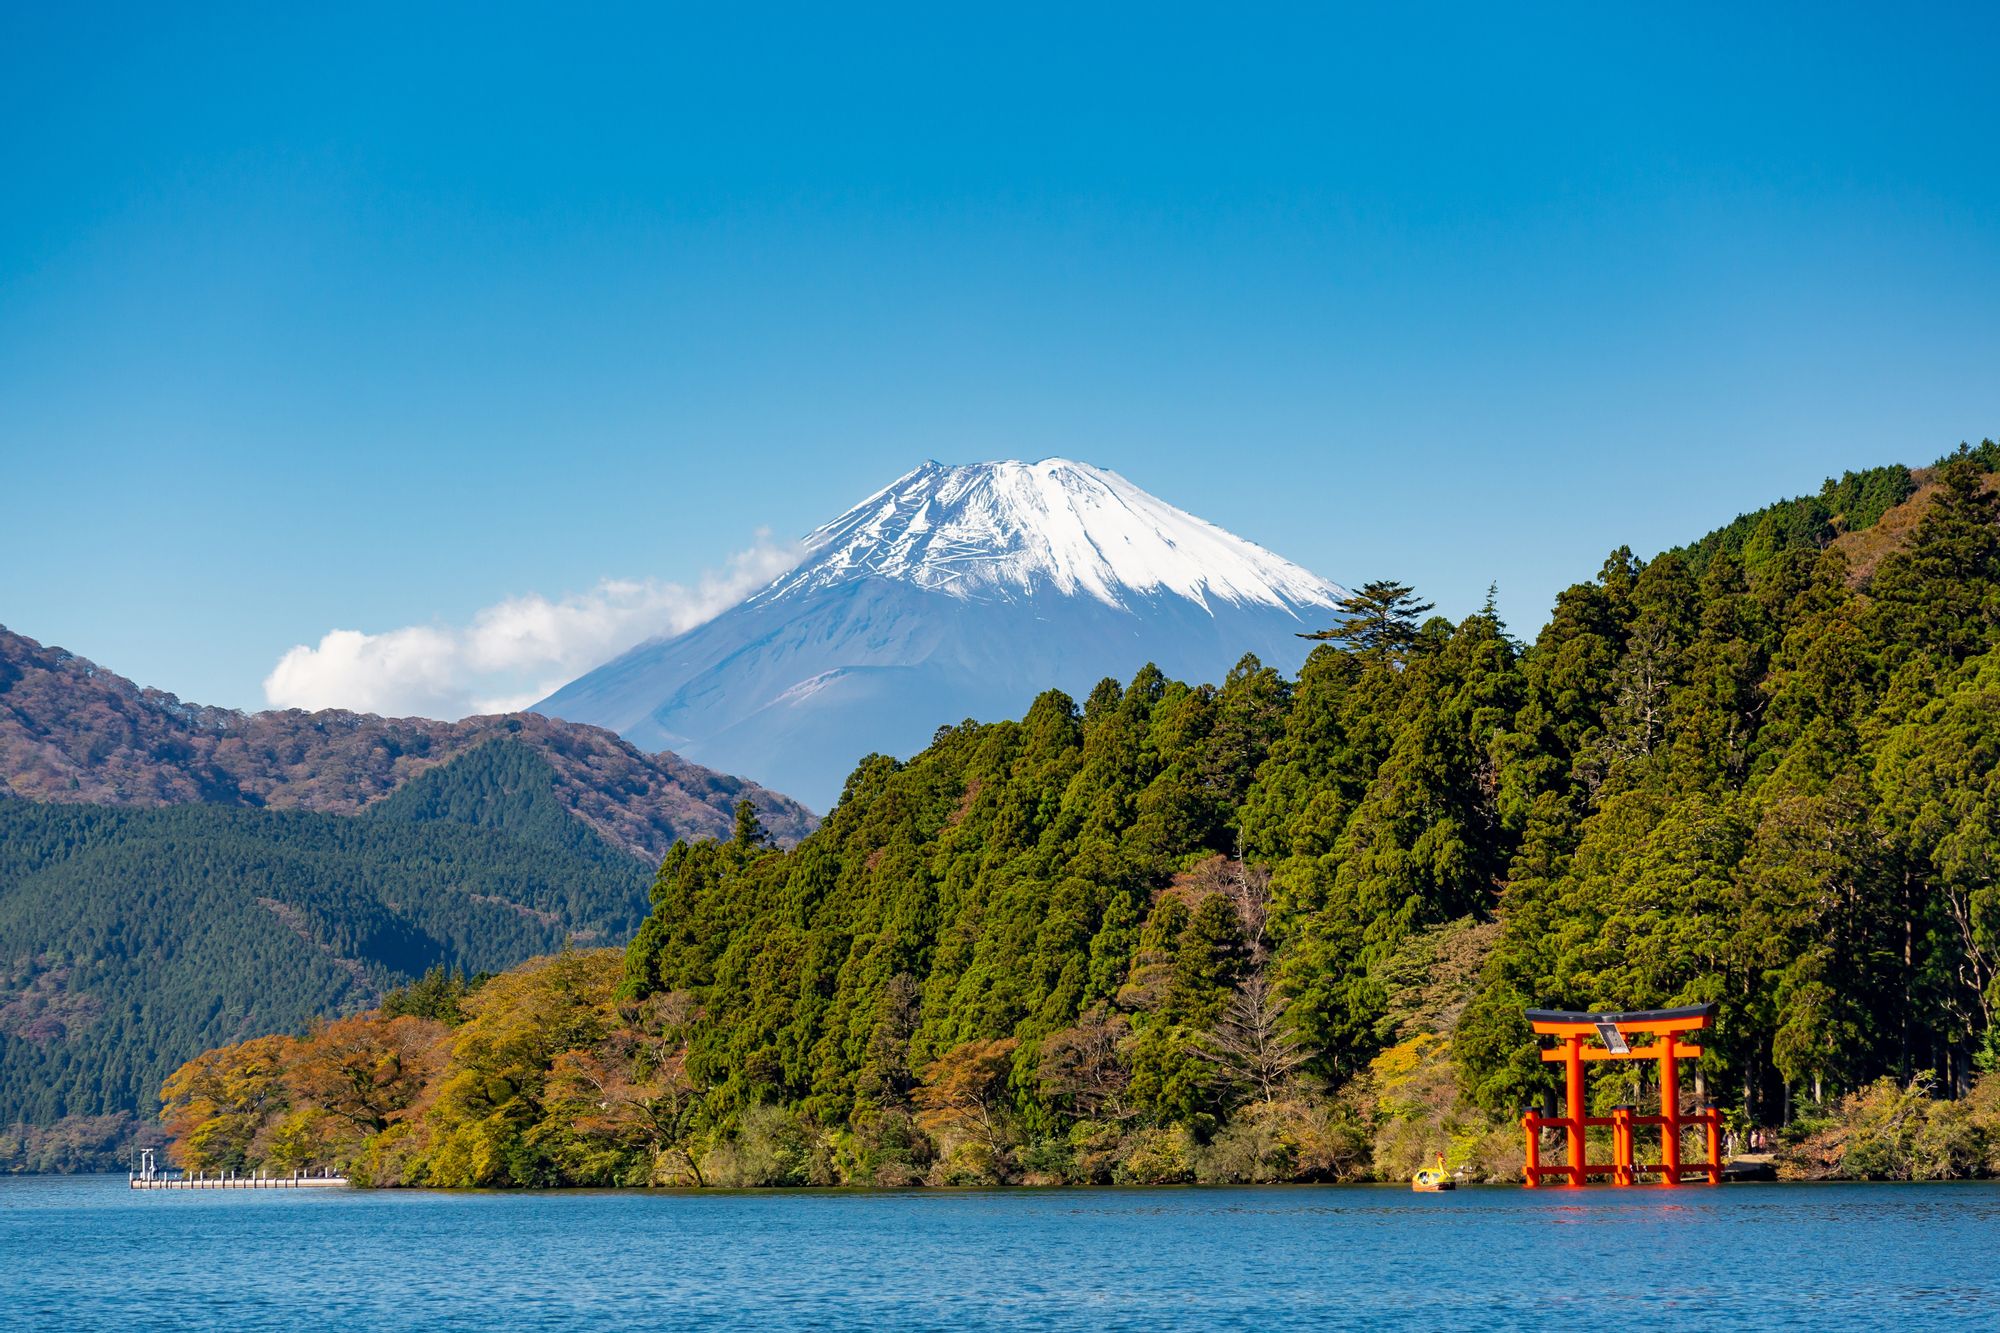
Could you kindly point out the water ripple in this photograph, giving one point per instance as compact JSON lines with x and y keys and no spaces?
{"x":87,"y":1253}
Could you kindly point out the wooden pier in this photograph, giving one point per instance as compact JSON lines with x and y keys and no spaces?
{"x":198,"y":1181}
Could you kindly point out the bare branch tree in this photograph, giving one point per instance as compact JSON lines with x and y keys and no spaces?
{"x":1086,"y":1064}
{"x":1253,"y":1046}
{"x":1249,"y":887}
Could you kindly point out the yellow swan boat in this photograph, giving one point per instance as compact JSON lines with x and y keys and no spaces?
{"x":1433,"y":1179}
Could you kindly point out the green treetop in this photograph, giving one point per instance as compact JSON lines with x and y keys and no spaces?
{"x":1378,"y":621}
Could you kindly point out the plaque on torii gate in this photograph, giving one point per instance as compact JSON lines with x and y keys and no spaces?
{"x":1583,"y":1037}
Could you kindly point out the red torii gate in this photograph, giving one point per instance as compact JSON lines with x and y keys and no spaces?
{"x":1611,"y":1032}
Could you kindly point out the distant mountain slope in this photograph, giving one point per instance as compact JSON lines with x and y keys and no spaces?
{"x":72,"y":731}
{"x":955,"y":592}
{"x":131,"y":939}
{"x":1865,"y":515}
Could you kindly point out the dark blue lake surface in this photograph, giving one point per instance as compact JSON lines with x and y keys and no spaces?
{"x":87,"y":1253}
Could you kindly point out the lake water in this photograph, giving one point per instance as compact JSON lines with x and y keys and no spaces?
{"x":86,"y":1253}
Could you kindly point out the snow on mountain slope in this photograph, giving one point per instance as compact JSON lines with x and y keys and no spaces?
{"x":955,"y":592}
{"x":1015,"y":529}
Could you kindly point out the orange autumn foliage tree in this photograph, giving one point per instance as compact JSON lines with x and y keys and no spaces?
{"x":964,"y":1102}
{"x":549,"y":1078}
{"x":366,"y":1071}
{"x":218,"y":1105}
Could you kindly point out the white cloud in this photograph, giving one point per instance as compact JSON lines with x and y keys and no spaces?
{"x":513,"y":652}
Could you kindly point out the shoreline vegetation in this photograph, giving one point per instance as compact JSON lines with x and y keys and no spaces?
{"x":77,"y":1144}
{"x":1283,"y":930}
{"x":384,"y":1097}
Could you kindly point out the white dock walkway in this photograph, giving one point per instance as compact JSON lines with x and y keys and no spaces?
{"x":229,"y":1180}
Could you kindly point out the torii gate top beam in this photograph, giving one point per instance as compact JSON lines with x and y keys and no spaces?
{"x":1569,"y":1023}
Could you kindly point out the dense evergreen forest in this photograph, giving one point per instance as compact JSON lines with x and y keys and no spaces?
{"x":1284,"y":929}
{"x":134,"y":938}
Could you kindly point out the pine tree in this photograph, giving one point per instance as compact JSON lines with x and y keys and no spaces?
{"x":1378,"y":621}
{"x":1941,"y":595}
{"x":749,"y":831}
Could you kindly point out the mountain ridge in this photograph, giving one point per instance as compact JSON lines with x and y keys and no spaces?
{"x":72,"y":731}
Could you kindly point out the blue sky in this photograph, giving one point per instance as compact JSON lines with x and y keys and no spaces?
{"x":354,"y":319}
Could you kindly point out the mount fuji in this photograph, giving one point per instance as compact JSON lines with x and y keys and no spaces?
{"x":954,"y":592}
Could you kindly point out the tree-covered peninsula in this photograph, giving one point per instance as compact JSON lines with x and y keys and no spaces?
{"x":1278,"y":929}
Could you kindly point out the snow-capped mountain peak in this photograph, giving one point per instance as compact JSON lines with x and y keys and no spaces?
{"x":953,"y":592}
{"x":1008,"y":530}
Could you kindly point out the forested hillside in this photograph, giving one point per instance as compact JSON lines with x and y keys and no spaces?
{"x":135,"y":938}
{"x":1277,"y":929}
{"x":173,"y":875}
{"x":70,"y":731}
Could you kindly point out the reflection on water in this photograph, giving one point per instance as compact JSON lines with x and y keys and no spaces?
{"x":87,"y":1253}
